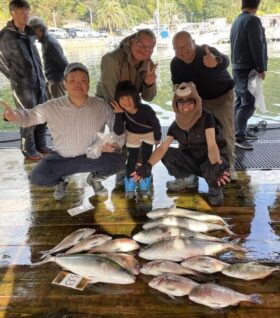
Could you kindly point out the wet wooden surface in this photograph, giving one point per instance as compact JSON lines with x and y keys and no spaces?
{"x":31,"y":221}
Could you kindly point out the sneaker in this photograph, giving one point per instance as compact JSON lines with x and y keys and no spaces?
{"x":250,"y":136}
{"x":97,"y":186}
{"x":60,"y":190}
{"x":183,"y":183}
{"x":35,"y":156}
{"x":233,"y":174}
{"x":130,"y":186}
{"x":120,"y":178}
{"x":215,"y":196}
{"x":145,"y":187}
{"x":244,"y":144}
{"x":129,"y":195}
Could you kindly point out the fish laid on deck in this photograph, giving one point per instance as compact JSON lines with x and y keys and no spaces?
{"x":156,"y":234}
{"x":158,"y":267}
{"x":116,"y":245}
{"x":249,"y":271}
{"x":180,"y":212}
{"x":95,"y":268}
{"x":205,"y":264}
{"x":173,"y":285}
{"x":216,"y":296}
{"x":88,"y":243}
{"x":179,"y":249}
{"x":69,"y":241}
{"x":189,"y":224}
{"x":127,"y":261}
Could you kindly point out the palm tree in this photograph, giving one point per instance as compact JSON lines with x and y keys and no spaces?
{"x":110,"y":15}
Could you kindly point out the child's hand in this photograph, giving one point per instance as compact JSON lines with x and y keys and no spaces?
{"x":117,"y":108}
{"x":142,"y":172}
{"x":223,"y":179}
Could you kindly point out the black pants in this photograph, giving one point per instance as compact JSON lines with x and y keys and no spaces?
{"x":133,"y":156}
{"x":33,"y":138}
{"x":181,"y":164}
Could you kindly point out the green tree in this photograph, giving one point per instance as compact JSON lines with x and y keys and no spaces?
{"x":110,"y":15}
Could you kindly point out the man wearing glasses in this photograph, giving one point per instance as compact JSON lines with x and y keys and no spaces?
{"x":130,"y":61}
{"x":207,"y":68}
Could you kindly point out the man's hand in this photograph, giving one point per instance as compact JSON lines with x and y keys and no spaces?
{"x":150,"y":76}
{"x":109,"y":147}
{"x":223,"y":176}
{"x":117,"y":108}
{"x":262,"y":75}
{"x":8,"y":113}
{"x":142,"y":172}
{"x":209,"y":60}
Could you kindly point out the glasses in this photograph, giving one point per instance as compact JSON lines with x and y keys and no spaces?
{"x":144,"y":47}
{"x":187,"y":101}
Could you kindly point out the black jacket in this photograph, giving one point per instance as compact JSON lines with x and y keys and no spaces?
{"x":54,"y":59}
{"x":248,"y":43}
{"x":19,"y":58}
{"x":210,"y":82}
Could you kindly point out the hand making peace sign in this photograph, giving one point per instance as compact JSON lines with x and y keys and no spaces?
{"x":150,"y":77}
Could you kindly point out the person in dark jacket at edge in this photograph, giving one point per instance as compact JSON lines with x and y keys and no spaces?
{"x":21,"y":64}
{"x":248,"y":57}
{"x":206,"y":67}
{"x":202,"y":149}
{"x":54,"y":59}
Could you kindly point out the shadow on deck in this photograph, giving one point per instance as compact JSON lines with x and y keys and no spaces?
{"x":31,"y":221}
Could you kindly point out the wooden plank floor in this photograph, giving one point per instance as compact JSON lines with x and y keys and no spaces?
{"x":31,"y":221}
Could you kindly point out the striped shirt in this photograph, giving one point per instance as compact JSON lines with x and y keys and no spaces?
{"x":72,"y":128}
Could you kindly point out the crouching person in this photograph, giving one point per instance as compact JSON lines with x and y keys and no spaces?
{"x":202,"y":149}
{"x":73,"y":122}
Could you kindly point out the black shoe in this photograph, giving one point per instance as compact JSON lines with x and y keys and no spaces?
{"x":215,"y":196}
{"x":244,"y":144}
{"x":250,"y":136}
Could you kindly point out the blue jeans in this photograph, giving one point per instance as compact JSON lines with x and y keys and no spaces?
{"x":53,"y":168}
{"x":244,"y":103}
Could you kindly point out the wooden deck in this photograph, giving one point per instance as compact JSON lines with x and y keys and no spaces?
{"x":31,"y":221}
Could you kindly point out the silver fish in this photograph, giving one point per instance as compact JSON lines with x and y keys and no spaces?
{"x":249,"y":271}
{"x":93,"y":267}
{"x":156,"y":234}
{"x":127,"y":261}
{"x":216,"y":296}
{"x":88,"y":243}
{"x":69,"y":241}
{"x":116,"y":245}
{"x":173,"y":285}
{"x":158,"y":267}
{"x":179,"y":249}
{"x":189,"y":224}
{"x":196,"y":215}
{"x":205,"y":264}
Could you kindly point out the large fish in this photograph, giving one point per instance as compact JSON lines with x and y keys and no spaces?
{"x":179,"y":249}
{"x":205,"y":264}
{"x":127,"y":261}
{"x":186,"y":223}
{"x":156,"y":234}
{"x":88,"y":243}
{"x":158,"y":267}
{"x":249,"y":271}
{"x":69,"y":241}
{"x":93,"y":267}
{"x":196,"y":215}
{"x":216,"y":296}
{"x":116,"y":245}
{"x":173,"y":285}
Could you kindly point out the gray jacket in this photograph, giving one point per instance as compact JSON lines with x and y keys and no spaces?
{"x":118,"y":66}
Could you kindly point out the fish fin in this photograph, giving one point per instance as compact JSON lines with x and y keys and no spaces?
{"x":48,"y":259}
{"x":256,"y":299}
{"x":171,"y":296}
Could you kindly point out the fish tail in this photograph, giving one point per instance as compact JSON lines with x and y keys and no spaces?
{"x":48,"y":259}
{"x":44,"y":254}
{"x":256,"y":299}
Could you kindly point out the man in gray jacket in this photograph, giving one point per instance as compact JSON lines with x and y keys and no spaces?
{"x":54,"y":59}
{"x":21,"y":64}
{"x":130,"y":61}
{"x":248,"y":53}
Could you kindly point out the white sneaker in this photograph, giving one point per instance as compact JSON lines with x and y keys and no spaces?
{"x":97,"y":186}
{"x":60,"y":190}
{"x":233,"y":174}
{"x":178,"y":184}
